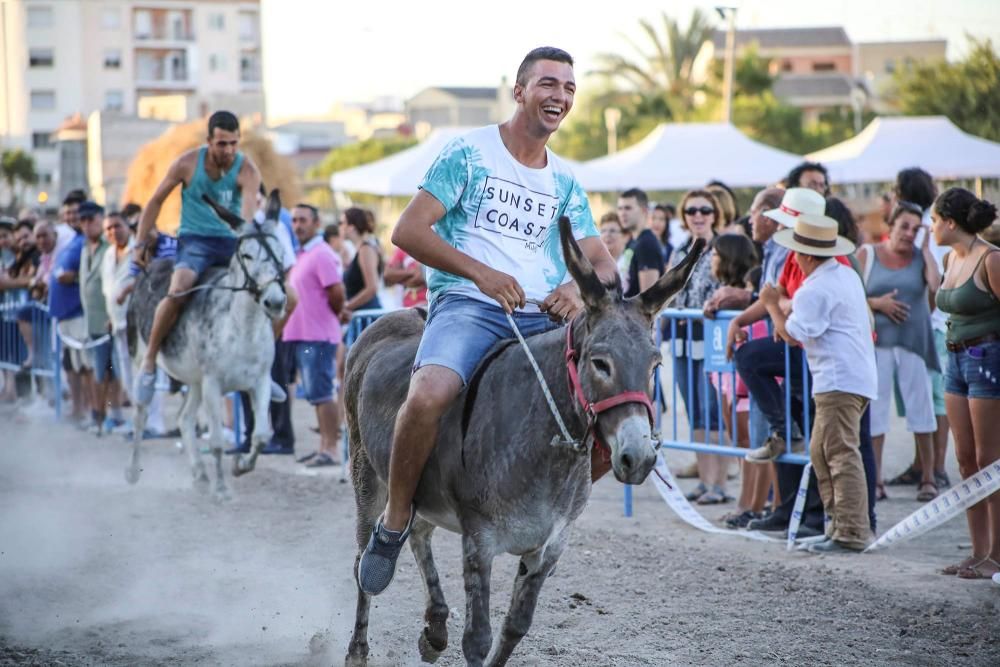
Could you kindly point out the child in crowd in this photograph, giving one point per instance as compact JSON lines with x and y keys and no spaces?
{"x":734,"y":260}
{"x":830,"y":320}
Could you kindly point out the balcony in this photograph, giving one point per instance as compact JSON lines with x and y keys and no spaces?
{"x":163,"y":69}
{"x":163,"y":26}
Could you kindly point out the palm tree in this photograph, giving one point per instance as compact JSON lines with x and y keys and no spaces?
{"x":664,"y":70}
{"x":17,"y":169}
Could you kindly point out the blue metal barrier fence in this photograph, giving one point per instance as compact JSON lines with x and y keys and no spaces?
{"x":18,"y":311}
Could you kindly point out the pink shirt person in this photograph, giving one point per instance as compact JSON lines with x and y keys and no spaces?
{"x":317,"y":268}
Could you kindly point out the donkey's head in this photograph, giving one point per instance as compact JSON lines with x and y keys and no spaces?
{"x":257,"y":261}
{"x":617,"y":356}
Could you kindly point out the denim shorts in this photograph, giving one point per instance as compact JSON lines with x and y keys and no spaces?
{"x":316,"y":361}
{"x":975,"y":372}
{"x":199,"y":253}
{"x":460,"y":331}
{"x":694,"y":398}
{"x":100,"y":357}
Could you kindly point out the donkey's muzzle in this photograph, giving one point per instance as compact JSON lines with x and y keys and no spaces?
{"x":633,"y":452}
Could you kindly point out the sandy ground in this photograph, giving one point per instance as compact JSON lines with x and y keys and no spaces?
{"x":95,"y":572}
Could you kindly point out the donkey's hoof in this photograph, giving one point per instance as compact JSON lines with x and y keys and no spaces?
{"x":222,"y":496}
{"x":356,"y":661}
{"x":200,"y":482}
{"x":132,"y":474}
{"x":241,"y":466}
{"x":431,"y":647}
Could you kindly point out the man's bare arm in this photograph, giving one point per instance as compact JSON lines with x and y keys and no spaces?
{"x":177,"y":174}
{"x":414,"y":234}
{"x":249,"y":182}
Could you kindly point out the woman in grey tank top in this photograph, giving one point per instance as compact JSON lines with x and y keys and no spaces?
{"x":900,"y":280}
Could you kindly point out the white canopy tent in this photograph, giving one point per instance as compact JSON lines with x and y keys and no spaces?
{"x":400,"y":174}
{"x":681,"y":156}
{"x":890,"y":144}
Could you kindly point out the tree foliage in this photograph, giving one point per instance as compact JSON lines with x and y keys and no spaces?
{"x":356,"y":154}
{"x":967,"y":92}
{"x":17,"y":169}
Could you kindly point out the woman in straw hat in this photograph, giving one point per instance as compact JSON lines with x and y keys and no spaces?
{"x":830,"y":320}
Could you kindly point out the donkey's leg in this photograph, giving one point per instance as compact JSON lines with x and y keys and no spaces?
{"x":370,"y":497}
{"x":188,"y":423}
{"x":260,"y":397}
{"x":477,"y":565}
{"x":212,"y":396}
{"x":434,"y":638}
{"x":534,"y":568}
{"x":132,"y":471}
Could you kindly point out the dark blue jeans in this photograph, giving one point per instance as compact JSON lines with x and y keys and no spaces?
{"x":759,"y":362}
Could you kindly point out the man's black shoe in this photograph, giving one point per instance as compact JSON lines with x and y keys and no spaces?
{"x":275,"y":448}
{"x":774,"y":522}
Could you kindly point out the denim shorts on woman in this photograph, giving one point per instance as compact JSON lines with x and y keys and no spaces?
{"x":974,"y":372}
{"x":460,"y":331}
{"x":199,"y":253}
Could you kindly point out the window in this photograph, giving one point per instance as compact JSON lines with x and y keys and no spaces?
{"x":40,"y":17}
{"x":41,"y":140}
{"x":39,"y":57}
{"x":217,"y":21}
{"x":112,"y":58}
{"x":824,"y":67}
{"x":248,"y":27}
{"x":142,"y":24}
{"x":216,"y":62}
{"x":43,"y":100}
{"x":114,"y":100}
{"x":249,"y":68}
{"x":111,"y":19}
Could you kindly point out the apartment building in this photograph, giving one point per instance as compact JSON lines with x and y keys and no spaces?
{"x":59,"y":58}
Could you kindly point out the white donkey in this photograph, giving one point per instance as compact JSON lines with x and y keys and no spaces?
{"x":222,"y":342}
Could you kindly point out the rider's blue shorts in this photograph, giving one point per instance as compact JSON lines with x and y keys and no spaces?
{"x":460,"y":331}
{"x":198,"y":253}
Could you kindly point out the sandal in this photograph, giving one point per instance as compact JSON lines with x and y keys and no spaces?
{"x":698,"y":492}
{"x":322,"y":460}
{"x":942,"y":480}
{"x":927,"y":492}
{"x":308,"y":457}
{"x":973,"y":572}
{"x":880,"y":493}
{"x":906,"y":478}
{"x":955,"y":568}
{"x":714,"y":497}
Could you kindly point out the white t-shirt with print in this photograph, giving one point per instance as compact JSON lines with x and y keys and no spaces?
{"x":504,"y":214}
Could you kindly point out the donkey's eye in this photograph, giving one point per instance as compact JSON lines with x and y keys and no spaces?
{"x":246,"y":257}
{"x":601,"y":366}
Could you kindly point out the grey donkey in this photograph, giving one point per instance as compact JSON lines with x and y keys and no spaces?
{"x":223,"y":340}
{"x":500,"y":474}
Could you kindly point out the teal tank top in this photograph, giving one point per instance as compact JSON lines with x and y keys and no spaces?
{"x":196,"y":216}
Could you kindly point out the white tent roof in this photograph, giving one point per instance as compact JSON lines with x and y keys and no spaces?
{"x":890,"y":144}
{"x":401,"y":173}
{"x":681,"y":156}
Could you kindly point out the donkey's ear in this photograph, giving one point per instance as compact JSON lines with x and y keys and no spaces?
{"x":652,"y":300}
{"x":273,"y":209}
{"x":592,"y":291}
{"x":227,"y":216}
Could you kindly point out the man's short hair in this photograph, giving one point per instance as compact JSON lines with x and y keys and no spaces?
{"x":224,"y":120}
{"x":792,"y":180}
{"x":331,"y":232}
{"x":540,"y":53}
{"x":638,"y":195}
{"x":312,"y":209}
{"x":770,"y":198}
{"x":670,"y":209}
{"x":131,"y":209}
{"x":90,"y":209}
{"x":74,"y":197}
{"x":26,"y":223}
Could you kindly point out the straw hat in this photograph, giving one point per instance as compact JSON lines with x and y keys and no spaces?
{"x":796,"y":202}
{"x":814,"y":235}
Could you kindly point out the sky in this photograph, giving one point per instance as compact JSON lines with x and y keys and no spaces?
{"x":321,"y":52}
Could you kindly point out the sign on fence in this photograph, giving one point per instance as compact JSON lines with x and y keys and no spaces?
{"x":715,"y":345}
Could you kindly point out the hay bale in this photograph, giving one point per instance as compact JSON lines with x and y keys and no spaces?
{"x":152,"y":161}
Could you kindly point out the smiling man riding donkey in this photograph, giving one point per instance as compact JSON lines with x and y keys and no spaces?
{"x":204,"y":240}
{"x":484,"y":222}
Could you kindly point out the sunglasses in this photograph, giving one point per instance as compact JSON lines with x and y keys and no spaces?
{"x":704,"y":210}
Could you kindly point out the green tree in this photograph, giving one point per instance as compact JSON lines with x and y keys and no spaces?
{"x":663,"y":75}
{"x":967,"y":92}
{"x":356,"y":154}
{"x":17,"y":169}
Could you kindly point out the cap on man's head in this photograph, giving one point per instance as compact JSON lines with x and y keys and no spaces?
{"x":90,"y":209}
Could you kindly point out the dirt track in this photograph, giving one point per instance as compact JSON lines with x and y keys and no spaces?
{"x":94,"y":572}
